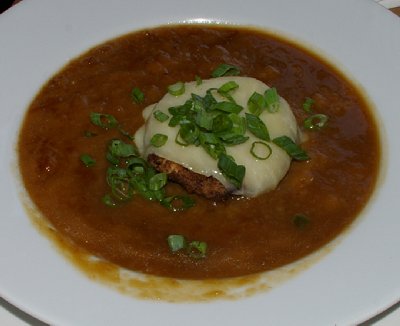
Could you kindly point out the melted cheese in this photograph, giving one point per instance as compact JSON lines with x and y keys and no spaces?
{"x":261,"y":175}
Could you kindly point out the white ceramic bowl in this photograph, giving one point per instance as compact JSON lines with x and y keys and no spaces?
{"x":358,"y":279}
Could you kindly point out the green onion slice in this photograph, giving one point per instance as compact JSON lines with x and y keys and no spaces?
{"x":118,"y":148}
{"x":227,"y":107}
{"x":158,"y":181}
{"x":225,"y":70}
{"x":108,"y":201}
{"x":232,"y":171}
{"x":256,"y":103}
{"x":176,"y":242}
{"x":158,"y":140}
{"x":87,"y":160}
{"x":137,"y":95}
{"x":316,"y":122}
{"x":178,"y":203}
{"x":197,"y":249}
{"x":160,"y":116}
{"x":272,"y":100}
{"x":260,"y":150}
{"x":103,"y":120}
{"x":226,"y":88}
{"x":176,"y":89}
{"x":301,"y":220}
{"x":307,"y":105}
{"x":198,"y":79}
{"x":89,"y":134}
{"x":257,"y":127}
{"x":290,"y":147}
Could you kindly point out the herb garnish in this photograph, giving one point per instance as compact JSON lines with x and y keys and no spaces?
{"x":194,"y":249}
{"x":129,"y":174}
{"x":137,"y":95}
{"x":87,"y":160}
{"x":225,"y":70}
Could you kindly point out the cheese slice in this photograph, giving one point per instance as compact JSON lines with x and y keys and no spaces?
{"x":261,"y":175}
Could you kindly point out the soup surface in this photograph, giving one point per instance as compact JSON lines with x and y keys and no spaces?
{"x":316,"y":200}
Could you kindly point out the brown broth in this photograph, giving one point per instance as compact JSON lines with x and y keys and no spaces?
{"x":243,"y":236}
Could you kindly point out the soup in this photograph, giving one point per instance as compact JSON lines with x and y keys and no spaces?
{"x":317,"y":199}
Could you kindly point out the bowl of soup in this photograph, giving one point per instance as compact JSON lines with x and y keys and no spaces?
{"x":183,"y":162}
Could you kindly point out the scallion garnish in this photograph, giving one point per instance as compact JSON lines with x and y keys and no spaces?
{"x":108,"y":201}
{"x":307,"y":105}
{"x":256,"y":103}
{"x":316,"y":121}
{"x":176,"y":242}
{"x":188,"y":133}
{"x":89,"y":134}
{"x":176,"y":89}
{"x":160,"y":116}
{"x":260,"y":150}
{"x":158,"y":140}
{"x":232,"y":171}
{"x":198,"y":79}
{"x":227,"y":107}
{"x":257,"y":127}
{"x":137,"y":95}
{"x":158,"y":181}
{"x":117,"y":148}
{"x":226,"y":88}
{"x":272,"y":100}
{"x":290,"y":147}
{"x":197,"y":249}
{"x":106,"y":121}
{"x":194,"y":249}
{"x":177,"y":203}
{"x":87,"y":160}
{"x":225,"y":70}
{"x":301,"y":220}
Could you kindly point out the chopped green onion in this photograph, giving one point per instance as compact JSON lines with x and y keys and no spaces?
{"x":137,"y":95}
{"x":233,"y":172}
{"x":118,"y":148}
{"x":221,"y":122}
{"x":301,"y":220}
{"x":176,"y":89}
{"x":125,"y":133}
{"x":198,"y":79}
{"x":225,"y":70}
{"x":158,"y":140}
{"x":290,"y":147}
{"x":178,"y":203}
{"x":176,"y":242}
{"x":103,"y":120}
{"x":158,"y":181}
{"x":227,"y":107}
{"x":307,"y":105}
{"x":188,"y":133}
{"x":316,"y":122}
{"x":194,"y":249}
{"x":205,"y":119}
{"x":228,"y":87}
{"x":108,"y":201}
{"x":160,"y":116}
{"x":87,"y":160}
{"x":257,"y":127}
{"x":211,"y":144}
{"x":197,"y":249}
{"x":272,"y":100}
{"x":89,"y":134}
{"x":256,"y":103}
{"x":260,"y":150}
